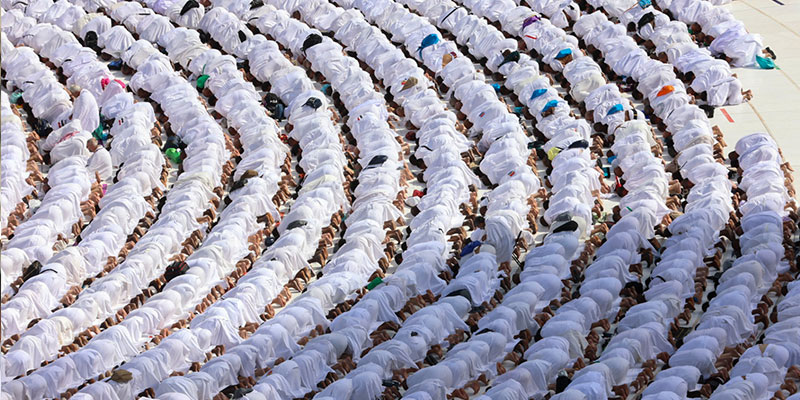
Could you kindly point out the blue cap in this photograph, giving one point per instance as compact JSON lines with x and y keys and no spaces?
{"x":496,"y":87}
{"x":538,"y":92}
{"x":469,"y":248}
{"x":550,"y":104}
{"x":325,"y":89}
{"x":563,"y":53}
{"x":613,"y":110}
{"x":428,"y":41}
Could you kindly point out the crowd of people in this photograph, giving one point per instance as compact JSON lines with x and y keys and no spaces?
{"x":363,"y":199}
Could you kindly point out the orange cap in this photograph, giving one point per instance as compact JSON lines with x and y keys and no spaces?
{"x":665,"y":90}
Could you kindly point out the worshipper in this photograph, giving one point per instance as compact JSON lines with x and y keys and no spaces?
{"x":100,"y":160}
{"x":503,"y":213}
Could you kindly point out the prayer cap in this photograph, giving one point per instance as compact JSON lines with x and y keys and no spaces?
{"x":569,"y":226}
{"x":563,"y":53}
{"x":313,"y":102}
{"x":665,"y":90}
{"x":429,"y":40}
{"x":615,"y":109}
{"x":566,"y":222}
{"x":297,"y":224}
{"x":538,"y":92}
{"x":646,"y":19}
{"x":188,"y":6}
{"x":510,"y":57}
{"x":201,"y":81}
{"x":374,"y":283}
{"x":378,"y":160}
{"x":173,"y":154}
{"x":530,"y":20}
{"x":469,"y":248}
{"x":580,"y":144}
{"x":550,"y":104}
{"x":98,"y":133}
{"x":552,"y":153}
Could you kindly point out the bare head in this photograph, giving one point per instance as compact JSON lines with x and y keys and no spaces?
{"x":74,"y":90}
{"x":92,"y":145}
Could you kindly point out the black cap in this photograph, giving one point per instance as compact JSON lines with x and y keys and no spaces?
{"x":378,"y":160}
{"x":297,"y":224}
{"x":188,"y":6}
{"x":313,"y":102}
{"x":570,"y":226}
{"x":646,"y":19}
{"x":580,"y":144}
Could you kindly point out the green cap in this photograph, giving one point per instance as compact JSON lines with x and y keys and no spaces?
{"x":174,"y":155}
{"x":15,"y":97}
{"x":99,"y":134}
{"x":201,"y":81}
{"x":375,"y":282}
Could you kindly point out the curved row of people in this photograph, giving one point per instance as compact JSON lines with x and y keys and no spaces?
{"x":18,"y":171}
{"x":706,"y":77}
{"x":143,"y":178}
{"x":59,"y":213}
{"x":301,"y":139}
{"x":721,"y":31}
{"x":598,"y":260}
{"x":20,"y":168}
{"x":494,"y":319}
{"x":312,"y":54}
{"x":762,"y":259}
{"x":185,"y":189}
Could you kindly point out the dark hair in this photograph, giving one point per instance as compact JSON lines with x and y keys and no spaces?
{"x":90,"y":39}
{"x":312,"y":40}
{"x":637,"y":286}
{"x":561,"y":383}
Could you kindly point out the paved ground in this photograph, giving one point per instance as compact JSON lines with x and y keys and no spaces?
{"x":775,"y":107}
